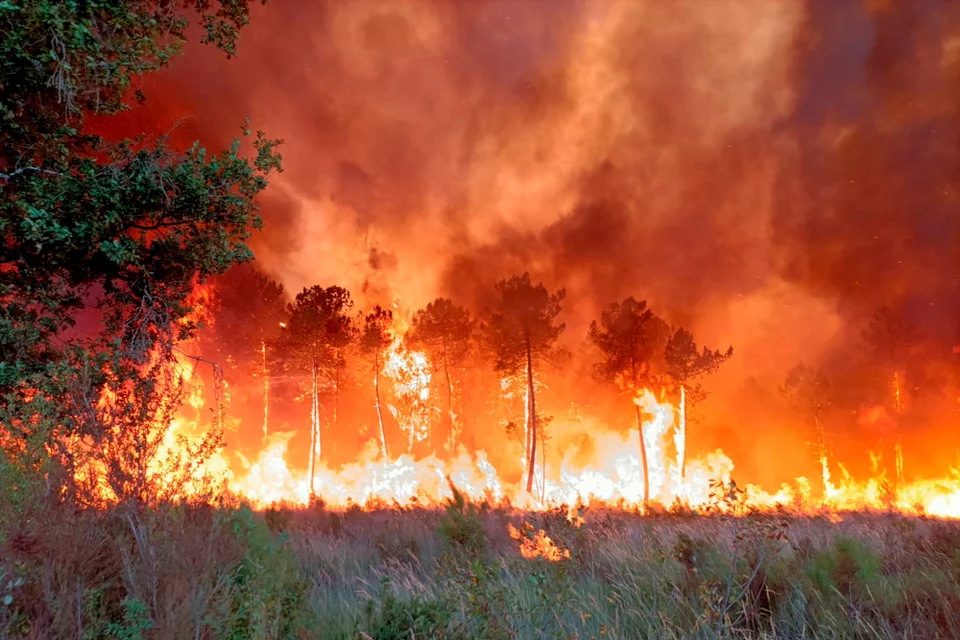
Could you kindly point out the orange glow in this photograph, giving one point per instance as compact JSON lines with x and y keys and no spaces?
{"x":610,"y":475}
{"x":537,"y":544}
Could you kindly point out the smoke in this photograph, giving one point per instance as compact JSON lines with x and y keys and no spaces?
{"x":766,"y":173}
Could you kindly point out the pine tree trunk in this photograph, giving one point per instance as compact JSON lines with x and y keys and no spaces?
{"x":336,"y":402}
{"x":682,"y":439}
{"x":532,"y":453}
{"x":266,"y":392}
{"x":314,"y":433}
{"x":822,"y":456}
{"x":376,"y":393}
{"x":898,"y":447}
{"x":452,"y":438}
{"x":643,"y":459}
{"x":643,"y":444}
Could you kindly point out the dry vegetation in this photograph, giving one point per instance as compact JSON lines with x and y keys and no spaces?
{"x":227,"y":572}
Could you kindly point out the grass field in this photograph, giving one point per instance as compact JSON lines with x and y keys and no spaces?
{"x":227,"y":572}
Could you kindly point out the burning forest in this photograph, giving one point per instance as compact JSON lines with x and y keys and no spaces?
{"x":516,"y":320}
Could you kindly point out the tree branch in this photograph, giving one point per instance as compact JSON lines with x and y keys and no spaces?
{"x":12,"y":174}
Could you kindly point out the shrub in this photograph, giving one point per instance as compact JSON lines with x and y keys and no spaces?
{"x":266,"y":593}
{"x":390,"y":618}
{"x":850,"y":563}
{"x":461,"y":527}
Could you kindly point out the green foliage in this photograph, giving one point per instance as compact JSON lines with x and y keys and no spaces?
{"x":461,"y":527}
{"x":124,"y":228}
{"x":847,"y":565}
{"x":135,"y":623}
{"x":266,"y":591}
{"x":388,"y":617}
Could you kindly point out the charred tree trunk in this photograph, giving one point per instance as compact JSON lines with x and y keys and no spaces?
{"x":532,"y":451}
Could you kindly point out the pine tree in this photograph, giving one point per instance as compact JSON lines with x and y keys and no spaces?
{"x":630,"y":338}
{"x":315,"y":337}
{"x":891,"y":340}
{"x":522,"y":333}
{"x":374,"y":342}
{"x":684,"y":364}
{"x":808,"y":390}
{"x":444,"y":330}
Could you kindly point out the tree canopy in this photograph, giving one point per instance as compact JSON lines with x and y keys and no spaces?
{"x":444,"y":329}
{"x":119,"y":230}
{"x":631,"y":339}
{"x":522,"y":334}
{"x":523,"y":323}
{"x":319,"y":326}
{"x":684,"y":363}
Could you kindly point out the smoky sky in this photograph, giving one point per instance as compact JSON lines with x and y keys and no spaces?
{"x":768,"y":173}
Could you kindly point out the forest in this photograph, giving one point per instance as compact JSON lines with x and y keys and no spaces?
{"x":501,"y":331}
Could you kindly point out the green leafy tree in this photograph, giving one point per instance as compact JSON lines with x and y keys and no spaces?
{"x":444,"y":329}
{"x":630,"y":338}
{"x":522,"y":333}
{"x":892,"y":340}
{"x":375,"y":339}
{"x":314,"y":338}
{"x":124,"y":229}
{"x":684,"y":364}
{"x":808,"y":391}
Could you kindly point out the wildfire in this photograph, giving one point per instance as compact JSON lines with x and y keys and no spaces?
{"x":535,"y":543}
{"x":410,"y":372}
{"x":612,"y":476}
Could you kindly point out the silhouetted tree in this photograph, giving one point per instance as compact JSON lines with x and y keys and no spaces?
{"x":630,"y":336}
{"x":443,"y":329}
{"x":317,"y":333}
{"x":374,"y":342}
{"x":249,"y":310}
{"x":684,"y":364}
{"x":808,"y":390}
{"x":522,"y":333}
{"x":891,"y":340}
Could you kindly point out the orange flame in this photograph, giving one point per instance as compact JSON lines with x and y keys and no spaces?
{"x":537,"y":544}
{"x":612,"y":476}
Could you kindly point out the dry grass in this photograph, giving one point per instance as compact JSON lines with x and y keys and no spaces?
{"x":224,"y":572}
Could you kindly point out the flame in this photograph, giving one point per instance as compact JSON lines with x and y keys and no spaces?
{"x":411,"y":374}
{"x":612,"y":475}
{"x":537,"y":544}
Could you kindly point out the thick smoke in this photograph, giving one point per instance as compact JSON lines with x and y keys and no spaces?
{"x":766,"y":173}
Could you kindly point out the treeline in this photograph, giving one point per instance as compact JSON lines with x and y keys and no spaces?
{"x":318,"y":345}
